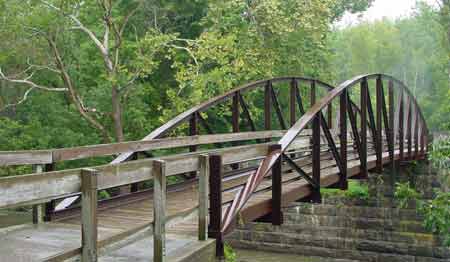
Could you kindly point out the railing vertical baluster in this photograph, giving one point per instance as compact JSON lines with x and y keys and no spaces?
{"x":278,"y":111}
{"x":364,"y":95}
{"x":89,"y":215}
{"x":416,"y":134}
{"x":343,"y":184}
{"x":277,"y":215}
{"x":235,"y":120}
{"x":267,"y":107}
{"x":312,"y":95}
{"x":379,"y":127}
{"x":203,"y":185}
{"x":401,"y":137}
{"x":409,"y":128}
{"x":235,"y":112}
{"x":354,"y":125}
{"x":159,"y":211}
{"x":422,"y":139}
{"x":193,"y":131}
{"x":330,"y":115}
{"x":316,"y":197}
{"x":315,"y":145}
{"x":215,"y":202}
{"x":39,"y":209}
{"x":391,"y":124}
{"x":292,"y":99}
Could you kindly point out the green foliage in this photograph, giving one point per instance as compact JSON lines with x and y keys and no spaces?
{"x":414,"y":50}
{"x":436,"y":212}
{"x":437,"y":215}
{"x":103,"y":194}
{"x":357,"y":190}
{"x":440,"y":154}
{"x":404,"y":194}
{"x":230,"y":255}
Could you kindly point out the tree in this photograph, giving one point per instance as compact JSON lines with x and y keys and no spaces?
{"x":412,"y":49}
{"x":255,"y":39}
{"x":66,"y":31}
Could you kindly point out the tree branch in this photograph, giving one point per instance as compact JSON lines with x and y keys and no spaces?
{"x":91,"y":35}
{"x":27,"y":81}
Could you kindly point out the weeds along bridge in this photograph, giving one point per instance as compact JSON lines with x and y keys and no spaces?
{"x":311,"y":135}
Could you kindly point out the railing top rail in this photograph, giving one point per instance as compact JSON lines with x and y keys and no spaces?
{"x":42,"y":187}
{"x":25,"y":157}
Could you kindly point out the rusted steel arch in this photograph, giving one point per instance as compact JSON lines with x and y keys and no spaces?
{"x":266,"y":165}
{"x":187,"y":115}
{"x":287,"y":139}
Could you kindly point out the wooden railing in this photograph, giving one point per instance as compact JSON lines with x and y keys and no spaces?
{"x":42,"y":187}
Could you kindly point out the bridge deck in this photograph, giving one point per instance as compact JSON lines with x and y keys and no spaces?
{"x":61,"y":238}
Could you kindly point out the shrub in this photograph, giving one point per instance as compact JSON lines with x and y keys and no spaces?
{"x":357,"y":190}
{"x":437,"y":215}
{"x":404,"y":193}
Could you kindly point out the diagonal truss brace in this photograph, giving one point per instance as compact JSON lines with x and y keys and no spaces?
{"x":300,"y":171}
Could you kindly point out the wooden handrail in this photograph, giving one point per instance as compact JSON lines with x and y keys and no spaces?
{"x":42,"y":187}
{"x":31,"y":157}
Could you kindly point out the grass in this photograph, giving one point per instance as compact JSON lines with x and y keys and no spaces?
{"x":356,"y":190}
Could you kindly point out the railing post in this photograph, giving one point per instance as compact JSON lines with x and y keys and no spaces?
{"x":316,"y":197}
{"x":422,"y":139}
{"x":235,"y":120}
{"x":203,"y":184}
{"x":159,"y":211}
{"x":416,"y":134}
{"x":409,"y":128}
{"x":343,"y":183}
{"x":410,"y":115}
{"x":277,"y":215}
{"x":401,"y":137}
{"x":292,"y":102}
{"x":364,"y":96}
{"x":235,"y":112}
{"x":39,"y":209}
{"x":379,"y":127}
{"x":193,"y":131}
{"x":391,"y":125}
{"x":89,"y":215}
{"x":267,"y":107}
{"x":330,"y":115}
{"x":312,"y":97}
{"x":215,"y":202}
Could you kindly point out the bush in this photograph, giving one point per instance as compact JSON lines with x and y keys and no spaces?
{"x":357,"y":190}
{"x":404,"y":194}
{"x":437,"y":215}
